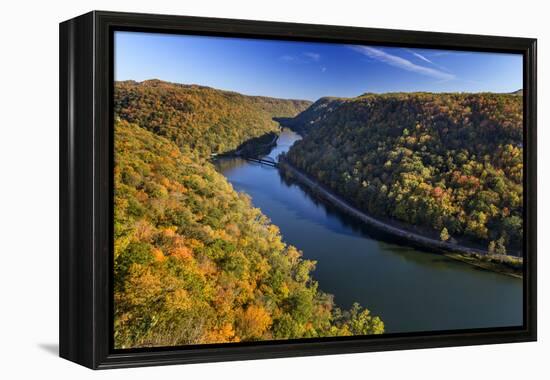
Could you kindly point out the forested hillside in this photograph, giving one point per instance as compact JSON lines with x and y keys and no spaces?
{"x":449,"y":163}
{"x":313,"y":116}
{"x":197,"y":118}
{"x":194,"y":261}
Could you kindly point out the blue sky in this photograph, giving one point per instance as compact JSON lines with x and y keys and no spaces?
{"x":306,"y":70}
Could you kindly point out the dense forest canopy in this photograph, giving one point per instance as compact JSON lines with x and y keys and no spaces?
{"x":198,"y":118}
{"x":449,"y":163}
{"x":194,"y":261}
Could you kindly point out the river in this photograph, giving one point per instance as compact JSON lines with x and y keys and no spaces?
{"x":411,"y":290}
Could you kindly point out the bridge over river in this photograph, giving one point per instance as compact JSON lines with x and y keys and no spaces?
{"x":269,"y":161}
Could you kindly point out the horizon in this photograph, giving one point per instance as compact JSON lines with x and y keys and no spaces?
{"x":310,"y":70}
{"x":321,"y":97}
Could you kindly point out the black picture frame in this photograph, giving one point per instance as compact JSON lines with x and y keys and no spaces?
{"x":86,"y":187}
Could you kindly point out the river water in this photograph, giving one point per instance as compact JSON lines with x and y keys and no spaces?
{"x":411,"y":290}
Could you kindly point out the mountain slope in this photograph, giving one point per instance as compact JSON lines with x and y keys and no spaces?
{"x":313,"y":115}
{"x":194,"y":261}
{"x":197,"y":118}
{"x":448,"y":163}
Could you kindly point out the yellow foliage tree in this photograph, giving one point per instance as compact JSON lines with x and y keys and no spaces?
{"x":253,"y":322}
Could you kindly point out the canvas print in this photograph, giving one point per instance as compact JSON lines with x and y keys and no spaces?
{"x":267,"y":190}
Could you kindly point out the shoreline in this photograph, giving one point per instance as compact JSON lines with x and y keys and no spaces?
{"x":504,"y":264}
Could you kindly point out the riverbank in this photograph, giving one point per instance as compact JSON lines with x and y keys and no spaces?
{"x":505,"y":264}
